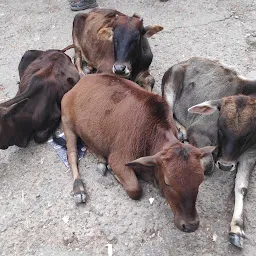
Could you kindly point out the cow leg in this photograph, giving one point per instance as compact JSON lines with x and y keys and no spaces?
{"x":145,"y":80}
{"x":199,"y":140}
{"x":78,"y":186}
{"x":78,"y":62}
{"x":245,"y":168}
{"x":182,"y":133}
{"x":102,"y":165}
{"x":43,"y":135}
{"x":125,"y":176}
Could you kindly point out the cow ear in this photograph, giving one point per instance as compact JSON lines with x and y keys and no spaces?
{"x":205,"y":151}
{"x":151,"y":30}
{"x":105,"y":34}
{"x":147,"y":161}
{"x":206,"y":108}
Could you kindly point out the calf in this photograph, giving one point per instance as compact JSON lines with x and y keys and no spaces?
{"x":35,"y":111}
{"x":111,"y":41}
{"x":228,"y":121}
{"x":131,"y":129}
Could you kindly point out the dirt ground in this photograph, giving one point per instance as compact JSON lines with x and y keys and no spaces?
{"x":38,"y":215}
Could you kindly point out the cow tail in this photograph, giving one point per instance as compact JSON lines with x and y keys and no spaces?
{"x":68,"y":47}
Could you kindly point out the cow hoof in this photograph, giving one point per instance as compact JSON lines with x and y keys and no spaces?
{"x":181,"y":136}
{"x":79,"y":191}
{"x":236,"y":239}
{"x":102,"y":168}
{"x":80,"y":198}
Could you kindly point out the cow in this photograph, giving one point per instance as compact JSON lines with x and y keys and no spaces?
{"x":226,"y":103}
{"x":45,"y":76}
{"x":110,"y":41}
{"x":131,"y":130}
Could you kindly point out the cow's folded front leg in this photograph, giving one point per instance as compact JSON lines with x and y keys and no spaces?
{"x":102,"y":165}
{"x":245,"y":168}
{"x":125,"y":176}
{"x":145,"y":80}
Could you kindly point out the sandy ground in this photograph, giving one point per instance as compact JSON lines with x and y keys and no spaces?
{"x":38,"y":215}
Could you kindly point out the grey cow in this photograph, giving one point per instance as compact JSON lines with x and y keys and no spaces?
{"x":226,"y":103}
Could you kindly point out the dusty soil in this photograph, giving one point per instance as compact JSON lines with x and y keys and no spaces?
{"x":38,"y":215}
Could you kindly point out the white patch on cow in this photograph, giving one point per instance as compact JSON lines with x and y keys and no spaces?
{"x":240,"y":183}
{"x":170,"y":95}
{"x":238,"y":213}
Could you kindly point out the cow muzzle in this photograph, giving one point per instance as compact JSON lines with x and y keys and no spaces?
{"x":121,"y":70}
{"x":187,"y":226}
{"x":226,"y":165}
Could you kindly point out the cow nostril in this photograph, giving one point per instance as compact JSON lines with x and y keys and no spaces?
{"x":119,"y":69}
{"x":226,"y":166}
{"x":184,"y":227}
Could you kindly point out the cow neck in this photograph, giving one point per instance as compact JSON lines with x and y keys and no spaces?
{"x":164,"y":140}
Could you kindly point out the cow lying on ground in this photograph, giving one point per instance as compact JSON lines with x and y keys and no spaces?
{"x":131,"y":129}
{"x":45,"y":76}
{"x":111,"y":41}
{"x":228,"y":119}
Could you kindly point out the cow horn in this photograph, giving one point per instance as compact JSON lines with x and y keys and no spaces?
{"x":136,"y":15}
{"x":23,"y":96}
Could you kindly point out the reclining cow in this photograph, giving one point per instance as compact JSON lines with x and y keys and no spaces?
{"x":45,"y":76}
{"x":131,"y":129}
{"x":228,"y":119}
{"x":110,"y":41}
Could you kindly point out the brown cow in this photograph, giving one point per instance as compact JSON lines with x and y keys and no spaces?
{"x":131,"y":129}
{"x":111,"y":41}
{"x":35,"y":111}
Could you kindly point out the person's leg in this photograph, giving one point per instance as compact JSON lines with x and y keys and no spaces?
{"x":78,"y":5}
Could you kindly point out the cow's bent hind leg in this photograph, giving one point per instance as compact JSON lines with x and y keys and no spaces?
{"x":78,"y":186}
{"x":125,"y":176}
{"x":42,"y":135}
{"x":245,"y":168}
{"x":78,"y":62}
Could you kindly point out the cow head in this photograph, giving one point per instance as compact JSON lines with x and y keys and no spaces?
{"x":179,"y":171}
{"x":9,"y":128}
{"x":126,"y":33}
{"x":236,"y":126}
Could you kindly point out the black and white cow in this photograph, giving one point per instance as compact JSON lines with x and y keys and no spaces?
{"x":226,"y":103}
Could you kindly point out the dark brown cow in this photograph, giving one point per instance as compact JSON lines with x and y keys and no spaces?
{"x":35,"y":111}
{"x":131,"y":129}
{"x":110,"y":41}
{"x":226,"y":103}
